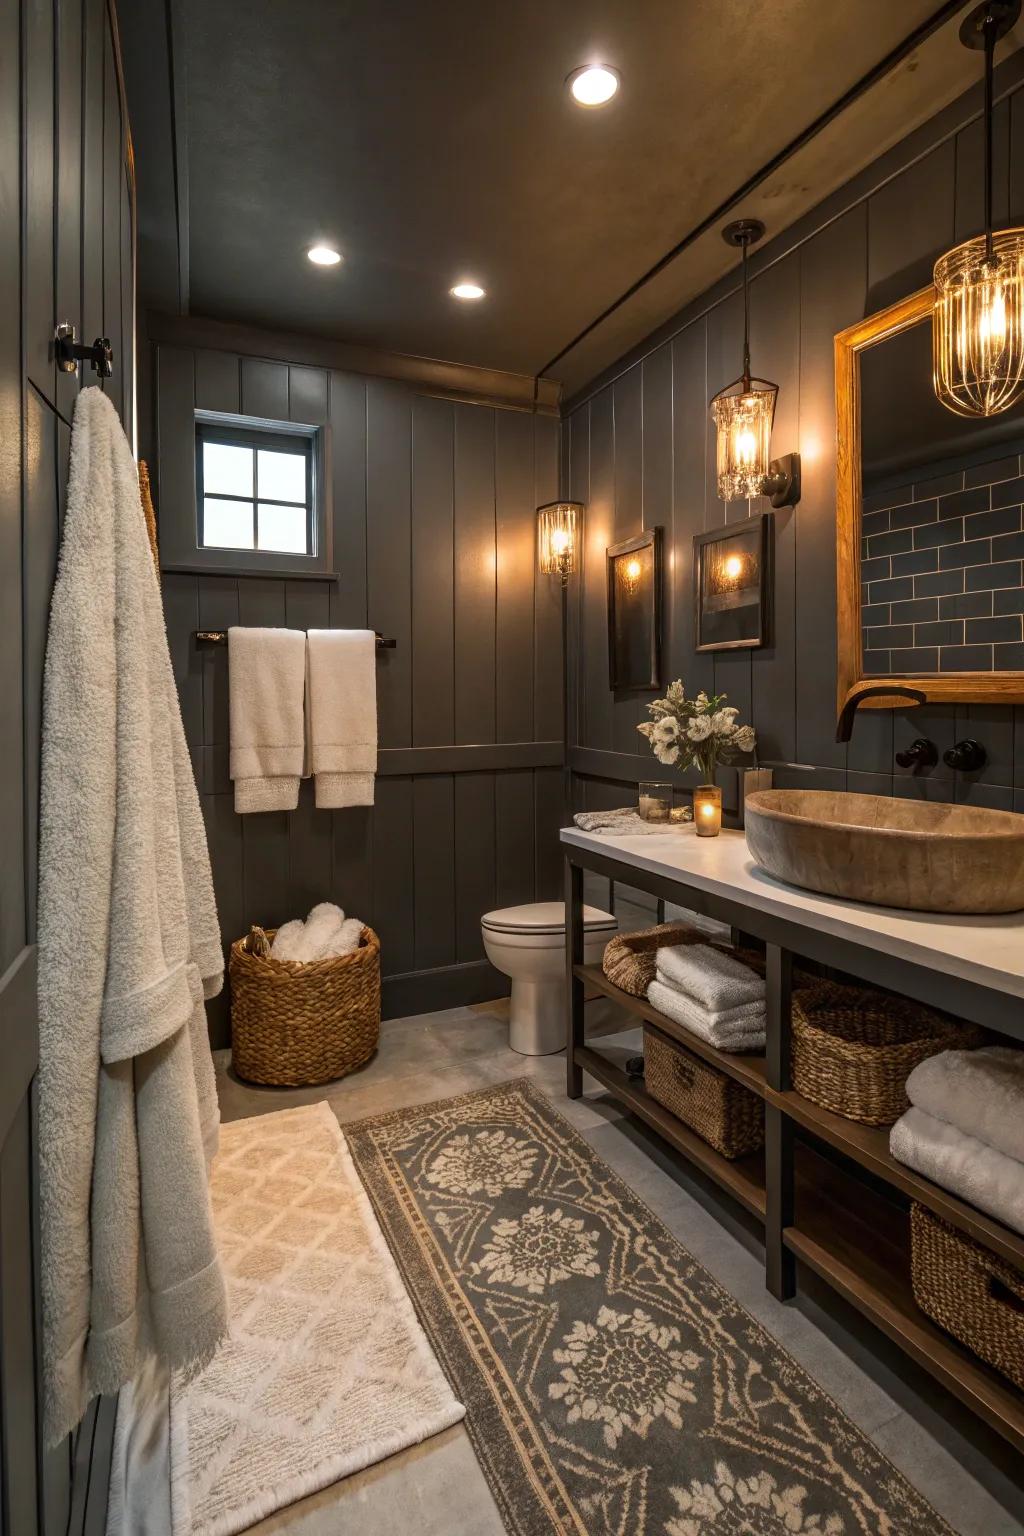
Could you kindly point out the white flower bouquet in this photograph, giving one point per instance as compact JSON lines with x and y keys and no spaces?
{"x":695,"y":733}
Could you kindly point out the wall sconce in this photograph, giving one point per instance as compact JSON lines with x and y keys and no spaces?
{"x":558,"y":524}
{"x":978,"y":318}
{"x":744,"y":410}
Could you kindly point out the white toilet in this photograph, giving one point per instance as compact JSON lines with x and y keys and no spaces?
{"x":528,"y":944}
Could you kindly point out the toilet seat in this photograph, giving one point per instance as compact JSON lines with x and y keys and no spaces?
{"x":544,"y":919}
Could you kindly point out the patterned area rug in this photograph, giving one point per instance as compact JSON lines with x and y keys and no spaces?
{"x":327,"y":1368}
{"x":612,"y":1387}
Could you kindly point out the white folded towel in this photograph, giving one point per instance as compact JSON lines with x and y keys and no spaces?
{"x":980,"y":1092}
{"x":341,"y":715}
{"x":742,"y":1035}
{"x":723,"y":1020}
{"x":713,"y":979}
{"x":345,"y":939}
{"x":313,"y":939}
{"x":266,"y":678}
{"x":962,"y":1164}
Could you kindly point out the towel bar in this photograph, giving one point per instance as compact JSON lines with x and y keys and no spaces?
{"x":220,"y":637}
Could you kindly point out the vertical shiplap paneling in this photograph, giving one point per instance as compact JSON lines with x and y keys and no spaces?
{"x":218,"y":382}
{"x":547,"y":599}
{"x":690,"y":469}
{"x":475,"y":584}
{"x":475,"y":864}
{"x":599,"y":532}
{"x":910,"y":223}
{"x":90,"y":317}
{"x":433,"y":572}
{"x":578,"y":469}
{"x":351,"y":835}
{"x":176,"y":447}
{"x":434,"y":870}
{"x":774,"y":337}
{"x":68,"y":224}
{"x":181,"y":612}
{"x":656,"y":372}
{"x":515,"y":531}
{"x":308,"y":396}
{"x":832,"y":286}
{"x":628,"y":520}
{"x":347,"y":472}
{"x":218,"y":609}
{"x":113,"y":161}
{"x":515,"y":874}
{"x":394,"y":910}
{"x":389,"y":554}
{"x":37,"y":104}
{"x":969,"y":208}
{"x":262,"y":602}
{"x":265,"y":389}
{"x":12,"y":868}
{"x":39,"y":566}
{"x":549,"y":815}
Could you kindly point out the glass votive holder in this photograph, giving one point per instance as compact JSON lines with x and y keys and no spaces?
{"x":707,"y":810}
{"x":654,"y":801}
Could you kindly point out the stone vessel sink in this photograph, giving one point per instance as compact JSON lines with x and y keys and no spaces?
{"x":896,"y":853}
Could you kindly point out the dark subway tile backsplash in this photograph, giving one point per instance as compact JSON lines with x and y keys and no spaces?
{"x":941,"y":571}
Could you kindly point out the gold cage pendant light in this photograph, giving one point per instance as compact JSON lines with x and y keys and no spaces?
{"x":978,"y":318}
{"x":744,"y":411}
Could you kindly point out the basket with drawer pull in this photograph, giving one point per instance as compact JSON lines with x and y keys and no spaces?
{"x":723,"y":1113}
{"x":973,"y":1294}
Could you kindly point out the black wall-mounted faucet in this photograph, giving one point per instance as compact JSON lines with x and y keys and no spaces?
{"x":844,"y":725}
{"x":921,"y":753}
{"x":966,"y":756}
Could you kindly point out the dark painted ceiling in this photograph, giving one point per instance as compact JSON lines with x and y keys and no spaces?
{"x":434,"y":139}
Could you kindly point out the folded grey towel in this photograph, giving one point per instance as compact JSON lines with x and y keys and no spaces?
{"x":722,"y":1019}
{"x":714,"y":979}
{"x":745,"y":1035}
{"x":624,"y":822}
{"x":979,"y":1092}
{"x":962,"y":1164}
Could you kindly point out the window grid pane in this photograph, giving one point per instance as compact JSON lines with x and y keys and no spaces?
{"x":227,"y":469}
{"x":227,"y":524}
{"x":282,"y":476}
{"x":282,"y":528}
{"x":255,"y":496}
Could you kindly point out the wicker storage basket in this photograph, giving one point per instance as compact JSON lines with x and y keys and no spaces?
{"x":294,"y":1024}
{"x":629,"y":958}
{"x":723,"y":1113}
{"x":855,"y":1047}
{"x":974,"y":1295}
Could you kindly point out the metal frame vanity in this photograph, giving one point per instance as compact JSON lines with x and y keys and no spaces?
{"x":845,"y":1217}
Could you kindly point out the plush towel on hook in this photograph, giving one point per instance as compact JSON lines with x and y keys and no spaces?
{"x":962,"y":1164}
{"x":980,"y":1092}
{"x":129,"y":946}
{"x":341,"y":715}
{"x":266,"y":685}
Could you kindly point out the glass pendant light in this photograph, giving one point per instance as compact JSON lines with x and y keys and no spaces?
{"x":978,"y":318}
{"x":744,"y":410}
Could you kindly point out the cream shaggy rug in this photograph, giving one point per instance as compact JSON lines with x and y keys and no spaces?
{"x":327,"y":1369}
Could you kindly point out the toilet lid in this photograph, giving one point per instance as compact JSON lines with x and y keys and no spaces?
{"x":543,"y":917}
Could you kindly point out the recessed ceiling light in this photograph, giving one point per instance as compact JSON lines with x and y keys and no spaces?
{"x":467,"y":291}
{"x":593,"y":84}
{"x":324,"y":255}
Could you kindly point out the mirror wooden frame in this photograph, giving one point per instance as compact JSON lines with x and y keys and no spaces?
{"x":938,"y":687}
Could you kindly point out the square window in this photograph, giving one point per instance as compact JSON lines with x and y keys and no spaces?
{"x":254,"y":489}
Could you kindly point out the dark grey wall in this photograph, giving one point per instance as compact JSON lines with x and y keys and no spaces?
{"x":639,"y":449}
{"x":65,"y":253}
{"x":434,"y":531}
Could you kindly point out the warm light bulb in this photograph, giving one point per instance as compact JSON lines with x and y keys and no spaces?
{"x":559,"y":541}
{"x":978,"y":325}
{"x":466,"y":291}
{"x":633,"y":570}
{"x":323,"y":256}
{"x":593,"y":85}
{"x":733,"y":567}
{"x":746,"y":447}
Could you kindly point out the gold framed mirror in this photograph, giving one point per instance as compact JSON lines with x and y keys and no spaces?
{"x":929,"y":558}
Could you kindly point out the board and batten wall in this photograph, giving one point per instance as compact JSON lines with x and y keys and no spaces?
{"x":433,"y":504}
{"x":639,"y":449}
{"x":66,"y":253}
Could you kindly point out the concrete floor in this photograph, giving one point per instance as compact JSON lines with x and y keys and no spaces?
{"x":437,"y":1488}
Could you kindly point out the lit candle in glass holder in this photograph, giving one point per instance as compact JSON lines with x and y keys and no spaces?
{"x":707,"y":810}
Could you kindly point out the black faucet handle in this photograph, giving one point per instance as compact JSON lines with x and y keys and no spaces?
{"x":921,"y":753}
{"x":966,"y":756}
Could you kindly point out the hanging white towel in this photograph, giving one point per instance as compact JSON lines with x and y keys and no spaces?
{"x":128,"y":947}
{"x":266,"y":686}
{"x":341,"y":711}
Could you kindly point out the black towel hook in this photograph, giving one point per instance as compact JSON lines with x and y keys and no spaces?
{"x":69,"y":352}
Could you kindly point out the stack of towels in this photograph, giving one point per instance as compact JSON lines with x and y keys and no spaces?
{"x":964,"y":1129}
{"x":325,"y":933}
{"x":712,"y":994}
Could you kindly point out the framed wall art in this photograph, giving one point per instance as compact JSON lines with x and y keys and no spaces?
{"x":732,"y":572}
{"x":634,"y":612}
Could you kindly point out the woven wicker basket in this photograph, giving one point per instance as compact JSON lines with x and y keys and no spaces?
{"x":855,"y":1047}
{"x":630,"y":958}
{"x":974,"y":1295}
{"x":294,"y":1024}
{"x":723,"y":1113}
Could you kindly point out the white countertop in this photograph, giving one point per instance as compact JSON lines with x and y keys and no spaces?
{"x":988,"y":950}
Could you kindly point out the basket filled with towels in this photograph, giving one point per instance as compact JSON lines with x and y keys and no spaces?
{"x":305,"y":999}
{"x":854,"y":1048}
